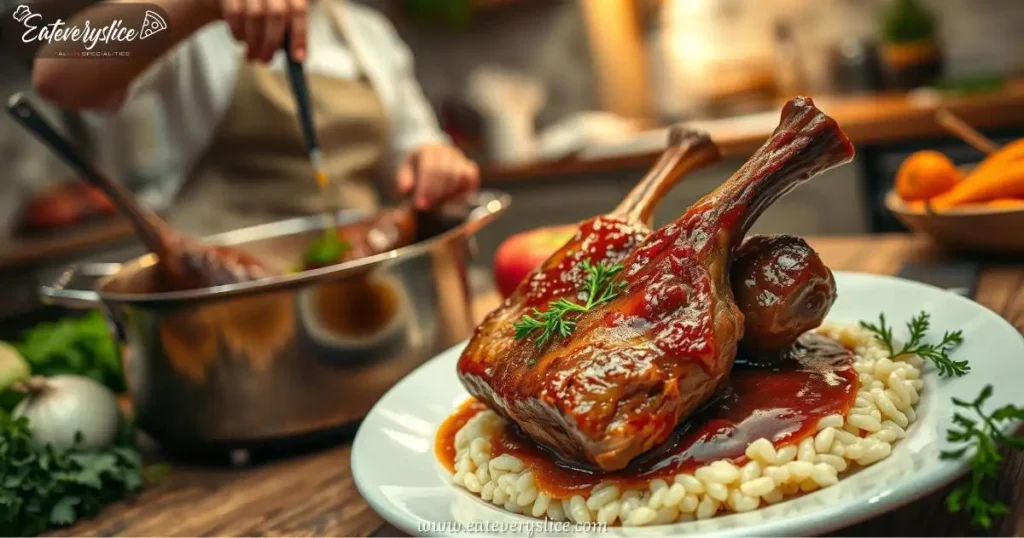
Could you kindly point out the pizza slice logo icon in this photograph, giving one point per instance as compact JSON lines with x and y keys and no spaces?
{"x":152,"y":24}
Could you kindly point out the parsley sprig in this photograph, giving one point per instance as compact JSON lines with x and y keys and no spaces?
{"x":42,"y":488}
{"x":918,"y":327}
{"x":983,"y":432}
{"x":601,"y":287}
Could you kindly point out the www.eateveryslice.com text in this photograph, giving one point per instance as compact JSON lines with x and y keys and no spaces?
{"x":522,"y":528}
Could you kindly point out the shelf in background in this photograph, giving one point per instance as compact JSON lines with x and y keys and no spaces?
{"x":868,"y":119}
{"x":24,"y":249}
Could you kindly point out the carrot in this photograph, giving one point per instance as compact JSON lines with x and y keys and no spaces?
{"x":984,"y":184}
{"x":1010,"y":153}
{"x":1006,"y":203}
{"x":916,"y":205}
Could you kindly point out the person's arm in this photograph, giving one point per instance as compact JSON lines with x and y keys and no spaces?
{"x":78,"y":84}
{"x":432,"y":170}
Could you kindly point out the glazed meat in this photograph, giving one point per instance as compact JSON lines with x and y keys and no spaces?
{"x":783,"y":290}
{"x":618,"y":378}
{"x":603,"y":239}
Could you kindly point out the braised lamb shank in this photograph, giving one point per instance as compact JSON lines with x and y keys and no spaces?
{"x":618,"y":380}
{"x":603,"y":239}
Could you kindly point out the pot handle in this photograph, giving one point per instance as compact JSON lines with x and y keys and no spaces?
{"x":60,"y":294}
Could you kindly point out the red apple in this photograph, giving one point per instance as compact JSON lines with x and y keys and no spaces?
{"x":521,"y":254}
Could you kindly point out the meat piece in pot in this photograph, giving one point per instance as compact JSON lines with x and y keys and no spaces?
{"x":783,"y":290}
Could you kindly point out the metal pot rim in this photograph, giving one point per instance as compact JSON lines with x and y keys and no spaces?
{"x":485,"y":207}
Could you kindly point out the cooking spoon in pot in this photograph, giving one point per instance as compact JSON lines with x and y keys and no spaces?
{"x":387,"y":230}
{"x":184,"y":263}
{"x":330,"y":248}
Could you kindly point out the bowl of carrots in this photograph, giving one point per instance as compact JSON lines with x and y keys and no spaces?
{"x":978,"y":208}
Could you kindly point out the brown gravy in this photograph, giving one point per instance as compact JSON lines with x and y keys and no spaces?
{"x":782,"y":402}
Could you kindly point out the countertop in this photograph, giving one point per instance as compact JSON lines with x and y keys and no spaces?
{"x":867,"y":119}
{"x":314,"y":495}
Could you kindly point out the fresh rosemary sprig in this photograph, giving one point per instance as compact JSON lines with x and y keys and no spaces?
{"x":601,"y":287}
{"x":985,"y":434}
{"x":918,"y":327}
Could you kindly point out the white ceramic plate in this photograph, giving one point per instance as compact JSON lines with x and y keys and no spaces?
{"x":397,"y":473}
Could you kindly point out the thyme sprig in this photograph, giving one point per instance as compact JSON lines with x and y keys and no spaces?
{"x":918,"y":327}
{"x":557,"y":321}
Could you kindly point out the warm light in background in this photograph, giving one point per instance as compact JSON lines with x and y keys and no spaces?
{"x":711,"y":47}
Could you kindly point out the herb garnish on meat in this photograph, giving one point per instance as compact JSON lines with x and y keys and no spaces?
{"x":601,"y":287}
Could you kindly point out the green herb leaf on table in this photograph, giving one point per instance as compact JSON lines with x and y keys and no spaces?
{"x":918,"y":327}
{"x":600,"y":287}
{"x":984,"y":433}
{"x":41,"y":488}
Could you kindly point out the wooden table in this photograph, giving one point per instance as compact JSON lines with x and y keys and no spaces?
{"x":314,"y":495}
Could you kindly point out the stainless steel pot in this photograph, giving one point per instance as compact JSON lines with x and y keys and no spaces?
{"x":296,"y":354}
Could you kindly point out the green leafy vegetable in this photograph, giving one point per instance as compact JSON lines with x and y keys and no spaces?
{"x":327,"y":250}
{"x":81,"y":346}
{"x":601,"y":287}
{"x":985,"y":434}
{"x":918,"y":328}
{"x":42,"y":488}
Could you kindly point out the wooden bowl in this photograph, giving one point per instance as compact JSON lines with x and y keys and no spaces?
{"x":970,"y":228}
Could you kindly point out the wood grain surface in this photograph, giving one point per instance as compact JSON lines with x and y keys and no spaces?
{"x":314,"y":495}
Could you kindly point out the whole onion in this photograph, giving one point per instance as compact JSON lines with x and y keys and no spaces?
{"x":60,"y":407}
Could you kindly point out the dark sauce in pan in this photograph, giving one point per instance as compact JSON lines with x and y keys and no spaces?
{"x":781,"y":399}
{"x":356,"y":307}
{"x":362,"y":305}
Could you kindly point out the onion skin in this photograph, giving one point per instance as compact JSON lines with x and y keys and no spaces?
{"x":60,"y":407}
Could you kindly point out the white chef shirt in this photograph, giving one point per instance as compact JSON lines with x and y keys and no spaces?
{"x":172,"y":110}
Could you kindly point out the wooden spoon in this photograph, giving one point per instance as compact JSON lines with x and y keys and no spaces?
{"x":965,"y":132}
{"x":185,"y":264}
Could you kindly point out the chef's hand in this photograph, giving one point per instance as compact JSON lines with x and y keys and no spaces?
{"x":435,"y":173}
{"x":261,"y":25}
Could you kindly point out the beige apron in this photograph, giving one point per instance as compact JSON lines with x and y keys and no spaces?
{"x":256,"y":169}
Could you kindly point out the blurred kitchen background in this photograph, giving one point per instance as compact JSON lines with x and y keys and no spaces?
{"x":565,"y":103}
